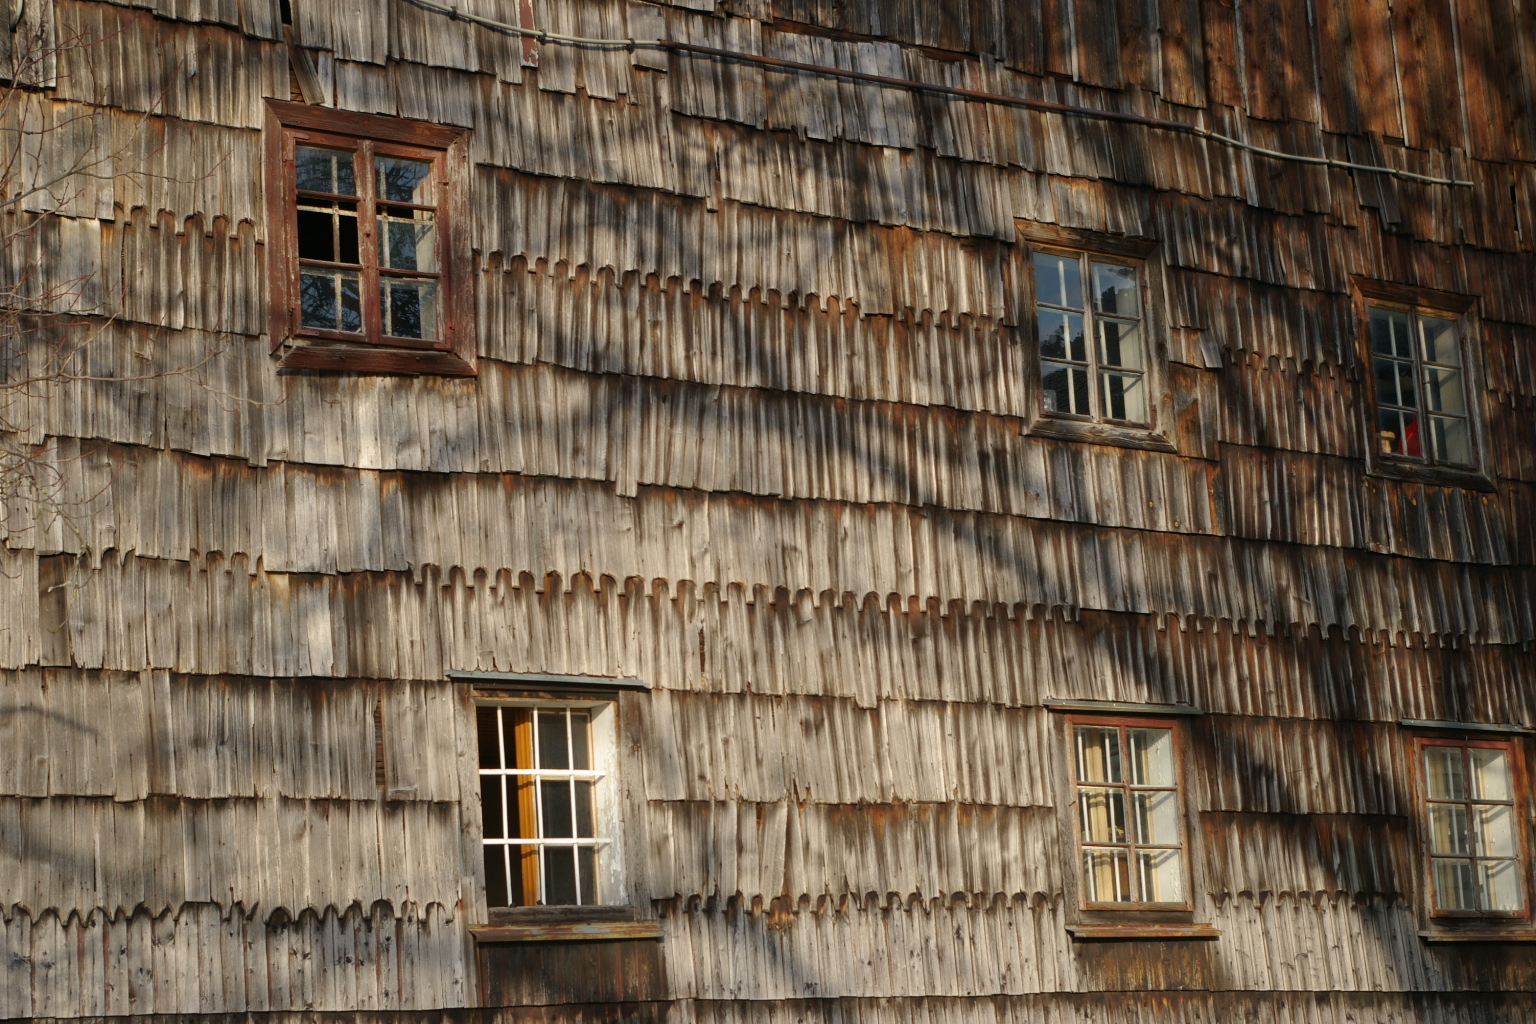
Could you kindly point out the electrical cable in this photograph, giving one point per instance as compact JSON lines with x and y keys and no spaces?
{"x":998,"y":99}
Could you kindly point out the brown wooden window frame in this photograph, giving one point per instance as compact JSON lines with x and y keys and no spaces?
{"x":301,"y":347}
{"x":1419,"y":304}
{"x":1520,"y":826}
{"x":1123,"y":724}
{"x":1089,"y":247}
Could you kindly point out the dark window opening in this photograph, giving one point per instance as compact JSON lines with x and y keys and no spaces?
{"x":1089,"y":323}
{"x":1422,"y":413}
{"x":537,"y":806}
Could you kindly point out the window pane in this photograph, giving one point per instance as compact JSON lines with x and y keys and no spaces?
{"x":1102,"y":814}
{"x":1124,"y":396}
{"x":584,"y":816}
{"x":581,"y":754}
{"x":1386,"y":381}
{"x":496,"y":888}
{"x":1411,"y":444}
{"x":555,"y":795}
{"x":408,"y":242}
{"x":1440,"y":342}
{"x":324,"y":170}
{"x":1490,"y":773}
{"x":327,"y":232}
{"x":491,"y":806}
{"x":586,"y":863}
{"x":1496,"y":831}
{"x":1120,"y":344}
{"x":1448,"y":829}
{"x":522,"y":808}
{"x":1106,"y":876}
{"x":1444,"y":773}
{"x":553,"y":752}
{"x":1443,"y":391}
{"x":1065,"y":389}
{"x":1449,"y":441}
{"x":329,"y":299}
{"x":1501,"y":887}
{"x":1389,"y":430}
{"x":1098,"y":754}
{"x":1061,"y":335}
{"x":1160,"y":873}
{"x":1407,"y":389}
{"x":1058,"y":280}
{"x":1151,"y":757}
{"x":1156,"y":817}
{"x":1114,"y":289}
{"x":490,"y":734}
{"x":410,"y":308}
{"x":1390,"y":333}
{"x":1453,"y":885}
{"x":559,"y":876}
{"x":403,"y":181}
{"x":1381,"y":332}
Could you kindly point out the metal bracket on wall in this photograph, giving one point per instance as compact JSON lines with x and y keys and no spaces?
{"x":1126,"y":707}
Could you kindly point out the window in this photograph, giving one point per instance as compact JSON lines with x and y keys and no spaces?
{"x":1473,"y":826}
{"x":539,"y":776}
{"x":1095,"y":359}
{"x":1421,"y":390}
{"x":1129,"y":814}
{"x":366,"y":268}
{"x":1423,"y":414}
{"x":1088,"y":314}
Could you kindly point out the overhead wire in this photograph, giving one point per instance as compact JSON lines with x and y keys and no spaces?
{"x":978,"y":95}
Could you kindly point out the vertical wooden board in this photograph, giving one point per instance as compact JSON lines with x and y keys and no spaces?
{"x":1139,"y":63}
{"x":1300,"y":62}
{"x":1183,"y":52}
{"x":160,"y":743}
{"x":1219,"y":18}
{"x":1510,"y":21}
{"x":1426,"y":62}
{"x":1340,"y":105}
{"x":1523,"y":44}
{"x":1374,"y":72}
{"x":1480,"y":72}
{"x":1056,"y":36}
{"x":1269,"y":55}
{"x":1021,"y":36}
{"x":1098,"y":42}
{"x":27,"y":756}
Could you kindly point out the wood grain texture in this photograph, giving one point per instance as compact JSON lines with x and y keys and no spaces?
{"x":744,"y":415}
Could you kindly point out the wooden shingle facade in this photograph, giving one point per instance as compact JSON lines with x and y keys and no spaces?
{"x":916,"y":663}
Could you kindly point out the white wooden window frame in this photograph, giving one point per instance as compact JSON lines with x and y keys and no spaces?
{"x":608,"y":832}
{"x":1444,"y":305}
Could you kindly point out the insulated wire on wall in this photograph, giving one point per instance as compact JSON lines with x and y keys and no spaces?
{"x":999,"y":99}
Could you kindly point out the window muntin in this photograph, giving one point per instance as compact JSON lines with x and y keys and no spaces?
{"x":1128,"y":807}
{"x":538,"y":787}
{"x":1093,"y":363}
{"x":368,"y":255}
{"x":1472,"y":828}
{"x":1421,"y":392}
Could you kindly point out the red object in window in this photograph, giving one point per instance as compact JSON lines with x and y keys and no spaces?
{"x":1411,"y":438}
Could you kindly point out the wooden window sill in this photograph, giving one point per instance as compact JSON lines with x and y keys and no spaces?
{"x":1089,"y":432}
{"x":567,"y":931}
{"x":1473,"y":479}
{"x":1129,"y":932}
{"x":368,"y":359}
{"x":1482,"y":936}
